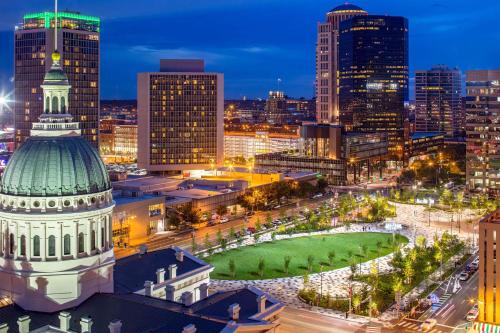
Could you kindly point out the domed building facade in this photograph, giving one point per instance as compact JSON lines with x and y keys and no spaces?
{"x":56,"y":206}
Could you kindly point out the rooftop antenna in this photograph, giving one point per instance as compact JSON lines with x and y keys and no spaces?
{"x":279,"y":82}
{"x":55,"y":26}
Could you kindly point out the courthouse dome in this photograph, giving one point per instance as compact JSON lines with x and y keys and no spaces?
{"x":55,"y":166}
{"x":346,"y":6}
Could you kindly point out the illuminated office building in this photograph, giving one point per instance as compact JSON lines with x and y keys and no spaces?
{"x":248,"y":144}
{"x":180,"y":117}
{"x":373,"y":76}
{"x":78,"y":42}
{"x":438,"y":100}
{"x":482,"y":128}
{"x":327,"y":103}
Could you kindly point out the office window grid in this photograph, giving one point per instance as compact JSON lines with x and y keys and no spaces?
{"x":183,"y":119}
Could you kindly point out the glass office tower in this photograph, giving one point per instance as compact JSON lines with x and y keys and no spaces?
{"x":373,"y":72}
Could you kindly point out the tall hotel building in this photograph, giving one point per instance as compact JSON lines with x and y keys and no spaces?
{"x":482,"y":130}
{"x":180,"y":117}
{"x":327,"y":103}
{"x":373,"y":76}
{"x":438,"y":100}
{"x":78,"y":42}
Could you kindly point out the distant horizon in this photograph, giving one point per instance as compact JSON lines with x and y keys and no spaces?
{"x":252,"y":45}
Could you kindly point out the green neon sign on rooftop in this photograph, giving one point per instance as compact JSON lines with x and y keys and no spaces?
{"x":49,"y":16}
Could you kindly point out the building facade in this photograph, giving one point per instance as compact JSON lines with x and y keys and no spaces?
{"x":78,"y":40}
{"x":438,"y":94}
{"x":327,"y":103}
{"x":248,"y":144}
{"x":181,"y":116}
{"x":482,"y":128}
{"x":373,"y":76}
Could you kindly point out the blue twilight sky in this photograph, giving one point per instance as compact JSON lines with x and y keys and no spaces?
{"x":253,"y":42}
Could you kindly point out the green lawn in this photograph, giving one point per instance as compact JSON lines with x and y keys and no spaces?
{"x":246,"y":259}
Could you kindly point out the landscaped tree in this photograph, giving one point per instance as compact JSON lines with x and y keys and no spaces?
{"x":286,"y":263}
{"x":173,"y":219}
{"x":356,"y":302}
{"x":208,"y":245}
{"x":310,"y":262}
{"x":232,"y":268}
{"x":421,"y":242}
{"x":408,"y":270}
{"x":219,"y":236}
{"x":269,"y":218}
{"x":331,"y":257}
{"x":189,"y":213}
{"x":258,"y":225}
{"x":223,"y":244}
{"x":364,"y":249}
{"x":322,"y":184}
{"x":349,"y":255}
{"x":194,"y":246}
{"x":273,"y":236}
{"x":221,"y":210}
{"x":232,"y":234}
{"x":261,"y":267}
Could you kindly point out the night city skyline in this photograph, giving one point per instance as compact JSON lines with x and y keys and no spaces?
{"x":254,"y":43}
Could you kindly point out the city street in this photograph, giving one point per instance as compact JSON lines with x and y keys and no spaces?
{"x":303,"y":321}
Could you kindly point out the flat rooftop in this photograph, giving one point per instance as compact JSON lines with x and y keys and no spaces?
{"x":149,"y":183}
{"x":123,"y":200}
{"x":194,"y":193}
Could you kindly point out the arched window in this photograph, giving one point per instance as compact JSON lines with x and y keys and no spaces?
{"x":52,"y":246}
{"x":81,"y":243}
{"x":11,"y":244}
{"x":36,"y":246}
{"x":47,"y":104}
{"x":67,"y":245}
{"x":93,"y":240}
{"x":22,"y":250}
{"x":55,"y":105}
{"x":63,"y":105}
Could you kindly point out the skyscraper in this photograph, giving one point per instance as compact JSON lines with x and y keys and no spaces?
{"x":373,"y":76}
{"x":327,"y":104}
{"x":180,"y":117}
{"x":438,"y":100}
{"x":482,"y":128}
{"x":78,"y":42}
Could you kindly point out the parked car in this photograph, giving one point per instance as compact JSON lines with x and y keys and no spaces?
{"x":472,"y":314}
{"x":317,"y":195}
{"x":428,"y":324}
{"x":464,"y":276}
{"x":252,"y":230}
{"x":224,"y":220}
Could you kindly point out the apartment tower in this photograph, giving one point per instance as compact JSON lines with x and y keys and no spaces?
{"x":327,"y":103}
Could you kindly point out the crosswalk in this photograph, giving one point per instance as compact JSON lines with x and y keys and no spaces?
{"x":409,"y":326}
{"x":373,"y":329}
{"x":444,"y":298}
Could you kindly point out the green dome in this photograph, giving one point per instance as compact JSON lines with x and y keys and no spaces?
{"x":56,"y":76}
{"x":55,"y":166}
